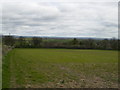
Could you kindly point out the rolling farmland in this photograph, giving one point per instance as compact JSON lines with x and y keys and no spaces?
{"x":60,"y":68}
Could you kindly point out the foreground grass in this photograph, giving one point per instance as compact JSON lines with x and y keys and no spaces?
{"x":0,"y":67}
{"x":70,"y":68}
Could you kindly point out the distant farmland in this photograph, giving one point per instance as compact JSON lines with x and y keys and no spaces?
{"x":65,"y":68}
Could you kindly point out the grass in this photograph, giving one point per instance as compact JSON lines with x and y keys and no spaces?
{"x":54,"y":68}
{"x":0,"y":66}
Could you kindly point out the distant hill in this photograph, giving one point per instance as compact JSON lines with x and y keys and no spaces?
{"x":52,"y":37}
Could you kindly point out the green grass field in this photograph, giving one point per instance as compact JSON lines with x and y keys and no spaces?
{"x":65,"y":68}
{"x":0,"y":67}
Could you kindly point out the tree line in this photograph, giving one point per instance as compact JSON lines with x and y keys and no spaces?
{"x":37,"y":42}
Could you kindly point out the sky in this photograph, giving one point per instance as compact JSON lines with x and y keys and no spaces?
{"x":60,"y":18}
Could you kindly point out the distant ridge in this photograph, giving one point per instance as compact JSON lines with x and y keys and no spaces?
{"x":55,"y":37}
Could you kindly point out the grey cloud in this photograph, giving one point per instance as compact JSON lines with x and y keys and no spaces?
{"x":61,"y":19}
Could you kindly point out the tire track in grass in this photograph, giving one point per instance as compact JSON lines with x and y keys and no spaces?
{"x":6,"y":71}
{"x":17,"y":71}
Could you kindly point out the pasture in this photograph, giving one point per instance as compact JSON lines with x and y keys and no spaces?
{"x":60,"y":68}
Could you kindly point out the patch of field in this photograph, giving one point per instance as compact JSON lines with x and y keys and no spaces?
{"x":65,"y":68}
{"x":0,"y":67}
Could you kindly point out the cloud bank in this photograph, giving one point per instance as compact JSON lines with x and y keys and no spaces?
{"x":61,"y":19}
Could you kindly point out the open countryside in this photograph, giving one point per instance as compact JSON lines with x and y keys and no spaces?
{"x":60,"y":68}
{"x":60,"y":44}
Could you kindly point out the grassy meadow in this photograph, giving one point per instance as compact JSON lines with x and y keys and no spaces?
{"x":60,"y":68}
{"x":0,"y":67}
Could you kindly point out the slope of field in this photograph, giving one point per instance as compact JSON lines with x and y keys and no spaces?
{"x":71,"y":68}
{"x":0,"y":67}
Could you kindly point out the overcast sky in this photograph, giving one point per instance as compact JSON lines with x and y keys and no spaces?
{"x":68,"y":18}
